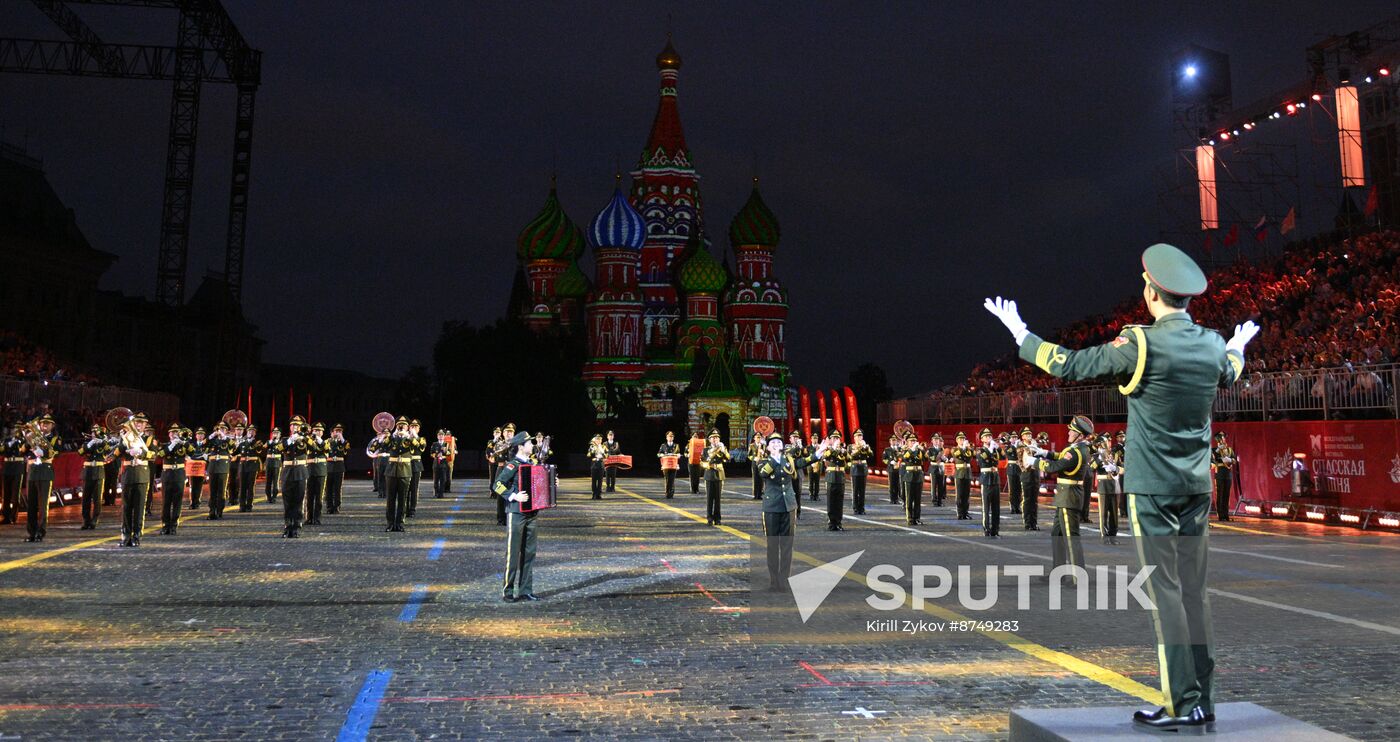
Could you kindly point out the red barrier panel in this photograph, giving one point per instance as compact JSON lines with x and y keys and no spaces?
{"x":1355,"y":464}
{"x":67,"y":471}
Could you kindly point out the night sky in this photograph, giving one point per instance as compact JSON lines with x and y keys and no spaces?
{"x":919,"y":156}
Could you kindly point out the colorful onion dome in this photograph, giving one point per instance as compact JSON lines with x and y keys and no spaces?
{"x":669,"y":58}
{"x":702,"y":274}
{"x":571,"y":284}
{"x":755,"y":223}
{"x":551,"y":234}
{"x":618,"y":225}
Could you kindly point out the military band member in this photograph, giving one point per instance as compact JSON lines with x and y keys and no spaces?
{"x":44,"y":447}
{"x":1106,"y":476}
{"x":113,"y":473}
{"x":234,"y":495}
{"x":937,"y":471}
{"x":97,"y":452}
{"x":779,"y":471}
{"x":219,"y":453}
{"x":316,"y":470}
{"x":137,"y":448}
{"x":614,"y":449}
{"x":295,"y":450}
{"x":250,"y":453}
{"x":1030,"y":479}
{"x":492,"y":460}
{"x":172,"y":478}
{"x":1172,"y":368}
{"x":755,"y":452}
{"x":669,"y":448}
{"x":989,"y":457}
{"x":272,"y":487}
{"x":962,"y":456}
{"x":420,"y":447}
{"x":1118,"y":448}
{"x":442,"y":465}
{"x":378,"y":453}
{"x":14,"y":450}
{"x":912,"y":458}
{"x":891,"y":457}
{"x":1222,"y":464}
{"x":398,"y":474}
{"x":713,"y":464}
{"x":1068,"y":467}
{"x":695,"y":451}
{"x":451,"y":458}
{"x":836,"y":461}
{"x":1012,"y":450}
{"x":337,"y":450}
{"x":597,"y":451}
{"x":519,"y":583}
{"x":197,"y":466}
{"x":814,"y":472}
{"x":860,"y":453}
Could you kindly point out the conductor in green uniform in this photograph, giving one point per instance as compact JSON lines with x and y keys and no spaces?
{"x":1171,"y":370}
{"x":779,"y":472}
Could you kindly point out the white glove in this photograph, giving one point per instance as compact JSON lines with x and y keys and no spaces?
{"x":1005,"y":310}
{"x":1243,"y":334}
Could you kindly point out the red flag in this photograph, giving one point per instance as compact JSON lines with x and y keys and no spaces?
{"x":1373,"y":201}
{"x":1289,"y":223}
{"x":838,"y":414}
{"x":852,"y":414}
{"x":805,"y":406}
{"x":1232,"y":236}
{"x":1261,"y":230}
{"x":821,"y":412}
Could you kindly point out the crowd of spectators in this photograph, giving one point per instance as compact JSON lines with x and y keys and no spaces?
{"x":69,"y":425}
{"x":28,"y":361}
{"x":1325,"y":303}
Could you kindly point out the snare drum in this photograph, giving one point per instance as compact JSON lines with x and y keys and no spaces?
{"x":671,"y":462}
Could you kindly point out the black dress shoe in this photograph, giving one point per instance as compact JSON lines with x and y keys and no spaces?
{"x":529,"y":596}
{"x":1196,"y":722}
{"x":507,"y":599}
{"x":30,"y":539}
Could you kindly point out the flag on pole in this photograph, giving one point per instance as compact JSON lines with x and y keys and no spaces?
{"x":1232,"y":236}
{"x":1289,"y":223}
{"x":1261,"y":230}
{"x":1209,"y":241}
{"x":1373,"y":201}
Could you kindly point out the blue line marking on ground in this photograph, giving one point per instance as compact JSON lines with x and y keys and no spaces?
{"x":366,"y":706}
{"x":415,"y":601}
{"x":436,"y":551}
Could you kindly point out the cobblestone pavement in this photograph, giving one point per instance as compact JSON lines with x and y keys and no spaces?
{"x":227,"y":631}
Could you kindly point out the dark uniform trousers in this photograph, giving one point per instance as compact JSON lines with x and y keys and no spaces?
{"x":1171,"y":532}
{"x":37,"y":504}
{"x":520,"y":555}
{"x":598,"y":473}
{"x":1108,"y":505}
{"x":396,"y":503}
{"x":695,"y":475}
{"x":233,"y":493}
{"x":172,"y":490}
{"x":912,"y":479}
{"x":835,"y":496}
{"x":1064,"y":537}
{"x":612,"y":478}
{"x":895,"y":485}
{"x":218,"y":489}
{"x":757,"y":480}
{"x":991,"y":502}
{"x":670,"y":476}
{"x":1222,"y":493}
{"x":272,"y":486}
{"x":1030,"y":497}
{"x":247,"y":482}
{"x":315,"y":494}
{"x":500,"y":510}
{"x":1013,"y":485}
{"x":114,"y":474}
{"x":377,"y":471}
{"x":293,"y":494}
{"x":962,"y":483}
{"x":133,"y":503}
{"x":938,"y":484}
{"x":779,"y":530}
{"x":858,"y":492}
{"x":94,"y":485}
{"x":1088,"y":487}
{"x":814,"y":482}
{"x":335,"y":486}
{"x":413,"y":484}
{"x":13,"y":481}
{"x":442,"y":478}
{"x":196,"y":487}
{"x":714,"y":485}
{"x":151,"y":489}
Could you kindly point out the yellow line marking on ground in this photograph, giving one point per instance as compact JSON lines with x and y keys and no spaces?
{"x":1096,"y":673}
{"x":41,"y":556}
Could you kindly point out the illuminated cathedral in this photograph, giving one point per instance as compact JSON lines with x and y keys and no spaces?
{"x":669,"y":328}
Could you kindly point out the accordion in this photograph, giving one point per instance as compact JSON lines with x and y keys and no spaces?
{"x":540,"y":483}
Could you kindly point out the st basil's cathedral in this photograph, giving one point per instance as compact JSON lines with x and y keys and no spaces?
{"x":669,"y":328}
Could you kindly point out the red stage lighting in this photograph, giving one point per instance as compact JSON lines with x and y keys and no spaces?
{"x":1317,"y":96}
{"x":1225,"y":136}
{"x":1384,"y":71}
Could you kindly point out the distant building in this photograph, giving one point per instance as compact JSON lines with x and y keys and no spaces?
{"x":328,"y":395}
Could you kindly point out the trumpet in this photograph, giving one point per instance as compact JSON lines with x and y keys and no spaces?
{"x":131,"y":438}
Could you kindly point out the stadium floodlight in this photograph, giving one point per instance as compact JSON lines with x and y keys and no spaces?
{"x":1189,"y":70}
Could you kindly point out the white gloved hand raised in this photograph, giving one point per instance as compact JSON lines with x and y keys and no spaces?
{"x":1243,"y":334}
{"x":1005,"y":310}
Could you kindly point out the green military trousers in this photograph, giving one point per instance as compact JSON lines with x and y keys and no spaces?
{"x":1171,"y":534}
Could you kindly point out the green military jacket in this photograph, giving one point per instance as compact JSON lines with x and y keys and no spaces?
{"x":713,"y":462}
{"x":41,"y":469}
{"x":1170,"y":370}
{"x":859,"y":456}
{"x":508,"y":483}
{"x":1222,"y":459}
{"x":1069,"y":468}
{"x":217,"y":451}
{"x":294,"y":451}
{"x":251,"y":451}
{"x":336,"y":453}
{"x":137,"y":465}
{"x":400,"y":461}
{"x":420,"y":446}
{"x":316,"y":464}
{"x":835,"y":463}
{"x":962,"y":460}
{"x":989,"y":462}
{"x":172,"y":455}
{"x":778,"y":493}
{"x":274,"y":454}
{"x":98,"y":449}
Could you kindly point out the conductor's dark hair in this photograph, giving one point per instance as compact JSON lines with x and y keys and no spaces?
{"x":1174,"y":301}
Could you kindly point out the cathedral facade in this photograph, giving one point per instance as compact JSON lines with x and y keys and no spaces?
{"x":669,"y":328}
